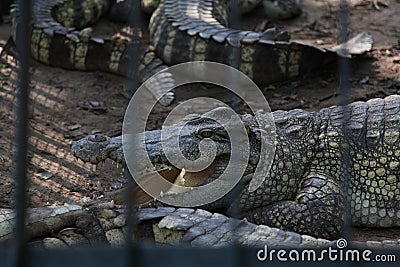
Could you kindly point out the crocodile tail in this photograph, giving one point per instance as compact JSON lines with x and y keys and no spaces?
{"x":162,"y":87}
{"x":357,"y":45}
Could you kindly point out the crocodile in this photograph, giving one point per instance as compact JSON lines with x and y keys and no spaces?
{"x":106,"y":224}
{"x":337,"y":165}
{"x":61,"y":37}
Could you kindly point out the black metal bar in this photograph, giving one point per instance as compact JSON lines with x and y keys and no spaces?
{"x":132,"y":252}
{"x":344,"y":71}
{"x":132,"y":82}
{"x":2,"y":4}
{"x":237,"y":257}
{"x":18,"y":249}
{"x":344,"y":63}
{"x":234,"y":22}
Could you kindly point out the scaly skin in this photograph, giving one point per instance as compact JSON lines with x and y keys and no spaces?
{"x":305,"y":190}
{"x":198,"y":30}
{"x":104,"y":224}
{"x":61,"y":36}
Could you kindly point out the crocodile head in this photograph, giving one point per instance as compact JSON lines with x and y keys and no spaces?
{"x":191,"y":138}
{"x":200,"y":139}
{"x":96,"y":148}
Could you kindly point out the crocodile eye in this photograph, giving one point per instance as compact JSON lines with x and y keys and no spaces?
{"x":206,"y":133}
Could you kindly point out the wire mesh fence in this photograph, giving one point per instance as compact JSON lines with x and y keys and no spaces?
{"x":29,"y":97}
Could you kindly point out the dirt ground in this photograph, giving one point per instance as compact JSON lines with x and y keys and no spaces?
{"x":66,"y":105}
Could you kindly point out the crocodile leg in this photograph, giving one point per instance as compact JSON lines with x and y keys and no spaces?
{"x":317,"y":210}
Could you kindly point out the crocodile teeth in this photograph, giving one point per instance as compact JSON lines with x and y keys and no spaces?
{"x":73,"y":37}
{"x":49,"y":32}
{"x":97,"y":40}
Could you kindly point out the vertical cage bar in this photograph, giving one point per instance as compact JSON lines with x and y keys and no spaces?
{"x":132,"y":84}
{"x":18,"y":249}
{"x":2,"y":9}
{"x":235,"y":61}
{"x":344,"y":72}
{"x":234,"y":23}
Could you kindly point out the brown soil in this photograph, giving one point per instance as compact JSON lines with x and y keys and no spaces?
{"x":61,"y":101}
